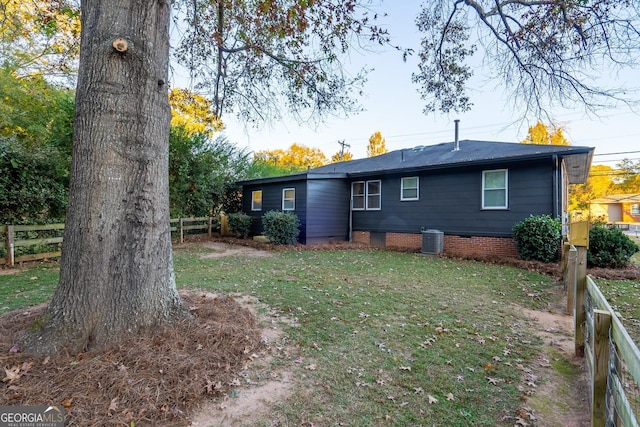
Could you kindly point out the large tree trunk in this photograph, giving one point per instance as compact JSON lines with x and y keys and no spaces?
{"x":116,"y":272}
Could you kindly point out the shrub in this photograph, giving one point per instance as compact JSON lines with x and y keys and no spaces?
{"x":281,"y":228}
{"x":609,"y":247}
{"x":538,"y":238}
{"x":239,"y":224}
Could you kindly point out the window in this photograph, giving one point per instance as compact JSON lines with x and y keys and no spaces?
{"x":365,"y":195}
{"x":289,"y":199}
{"x":357,"y":196}
{"x":409,"y":188}
{"x":373,"y":195}
{"x":635,"y":209}
{"x":495,"y":189}
{"x":256,"y":200}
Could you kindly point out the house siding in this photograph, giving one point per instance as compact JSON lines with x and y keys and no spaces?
{"x":451,"y":201}
{"x":272,"y":201}
{"x":327,"y":211}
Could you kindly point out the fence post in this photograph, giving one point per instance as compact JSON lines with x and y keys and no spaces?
{"x":224,"y":225}
{"x":10,"y":246}
{"x":181,"y":226}
{"x":602,"y":325}
{"x":579,"y":316}
{"x":570,"y":278}
{"x":210,"y":225}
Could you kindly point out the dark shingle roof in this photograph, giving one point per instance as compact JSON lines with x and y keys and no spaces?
{"x":444,"y":156}
{"x":440,"y":155}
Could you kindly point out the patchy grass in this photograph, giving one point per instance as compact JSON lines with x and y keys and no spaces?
{"x":376,"y":337}
{"x":624,"y":298}
{"x":24,"y":288}
{"x":385,"y":337}
{"x":636,"y":257}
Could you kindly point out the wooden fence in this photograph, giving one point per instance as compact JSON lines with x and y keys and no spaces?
{"x":13,"y":237}
{"x":611,"y":356}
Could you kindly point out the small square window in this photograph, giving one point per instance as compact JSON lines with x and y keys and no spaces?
{"x":635,"y":209}
{"x":256,"y":200}
{"x":289,"y":199}
{"x":409,"y":188}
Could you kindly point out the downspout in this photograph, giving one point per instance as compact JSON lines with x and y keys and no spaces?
{"x":555,"y":187}
{"x":351,"y":218}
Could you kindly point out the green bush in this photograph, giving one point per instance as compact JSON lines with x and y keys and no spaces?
{"x":239,"y":223}
{"x":281,"y":228}
{"x":609,"y":247}
{"x":538,"y":238}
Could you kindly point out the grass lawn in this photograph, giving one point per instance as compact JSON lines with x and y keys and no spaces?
{"x":624,"y":297}
{"x":375,"y":337}
{"x":391,"y":338}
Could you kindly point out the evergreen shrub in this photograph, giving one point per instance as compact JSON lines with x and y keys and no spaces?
{"x":281,"y":228}
{"x":609,"y":247}
{"x":538,"y":238}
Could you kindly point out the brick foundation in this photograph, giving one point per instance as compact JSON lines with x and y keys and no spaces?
{"x":453,"y":245}
{"x":405,"y":240}
{"x":361,"y":237}
{"x":468,"y":246}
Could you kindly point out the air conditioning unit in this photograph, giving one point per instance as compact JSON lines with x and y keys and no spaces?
{"x":432,"y":242}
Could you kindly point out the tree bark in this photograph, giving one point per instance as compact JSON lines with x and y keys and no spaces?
{"x":116,"y":271}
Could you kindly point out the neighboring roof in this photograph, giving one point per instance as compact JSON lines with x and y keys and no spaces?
{"x":618,"y":198}
{"x":578,"y":159}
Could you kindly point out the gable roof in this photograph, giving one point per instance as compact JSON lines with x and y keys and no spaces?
{"x":618,"y":198}
{"x":469,"y":152}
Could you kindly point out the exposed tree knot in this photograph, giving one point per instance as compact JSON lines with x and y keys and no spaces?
{"x":120,"y":45}
{"x":160,"y":82}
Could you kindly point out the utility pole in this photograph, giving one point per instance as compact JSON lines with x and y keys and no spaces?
{"x":342,"y":145}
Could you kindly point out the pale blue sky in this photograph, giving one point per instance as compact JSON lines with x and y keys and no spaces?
{"x":393,"y":107}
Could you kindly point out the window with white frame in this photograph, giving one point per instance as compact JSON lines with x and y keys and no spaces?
{"x":357,"y":195}
{"x":289,"y":199}
{"x":635,"y":209}
{"x":409,"y":188}
{"x":366,"y":195}
{"x":373,"y":195}
{"x":256,"y":200}
{"x":495,"y":184}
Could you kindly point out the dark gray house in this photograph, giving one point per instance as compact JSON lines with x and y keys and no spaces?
{"x":472,"y":191}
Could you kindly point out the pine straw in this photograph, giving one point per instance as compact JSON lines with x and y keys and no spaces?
{"x":156,"y":379}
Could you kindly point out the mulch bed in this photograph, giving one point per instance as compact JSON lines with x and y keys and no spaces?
{"x":155,"y":379}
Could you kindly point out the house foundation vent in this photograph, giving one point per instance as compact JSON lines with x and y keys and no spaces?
{"x":432,"y":242}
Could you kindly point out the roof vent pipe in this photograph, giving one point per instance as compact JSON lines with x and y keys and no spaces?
{"x":456,"y":142}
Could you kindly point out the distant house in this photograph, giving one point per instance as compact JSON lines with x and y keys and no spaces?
{"x":621,"y":209}
{"x":472,"y":191}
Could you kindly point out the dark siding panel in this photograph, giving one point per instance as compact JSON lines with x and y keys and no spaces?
{"x":328,"y":210}
{"x":450,"y":201}
{"x":272,"y":201}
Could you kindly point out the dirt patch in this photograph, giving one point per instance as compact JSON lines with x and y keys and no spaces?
{"x":561,"y":396}
{"x":8,"y":271}
{"x":221,"y":249}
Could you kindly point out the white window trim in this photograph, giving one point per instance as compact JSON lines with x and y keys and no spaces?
{"x":405,"y":199}
{"x":253,"y":208}
{"x":366,"y":191}
{"x":364,"y":195}
{"x":506,"y":190}
{"x":635,"y":211}
{"x":284,"y":191}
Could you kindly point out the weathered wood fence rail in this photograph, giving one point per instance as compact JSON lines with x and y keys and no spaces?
{"x":16,"y":236}
{"x":611,"y":356}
